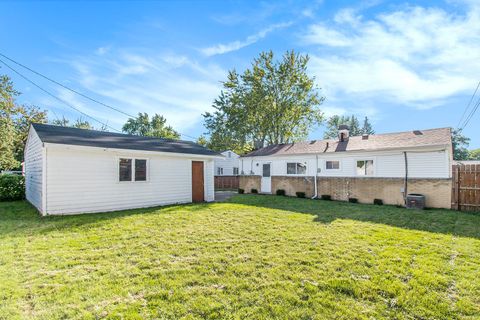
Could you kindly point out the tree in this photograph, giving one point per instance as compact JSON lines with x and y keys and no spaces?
{"x":79,"y":123}
{"x":460,"y":145}
{"x":474,"y":154}
{"x":156,"y":127}
{"x":15,"y":122}
{"x":331,"y":131}
{"x":367,"y":127}
{"x":271,"y":102}
{"x":202,"y":141}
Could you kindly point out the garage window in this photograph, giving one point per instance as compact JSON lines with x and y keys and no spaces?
{"x":132,"y":169}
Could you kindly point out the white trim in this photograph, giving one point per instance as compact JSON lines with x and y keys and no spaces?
{"x":296,"y":169}
{"x":374,"y":159}
{"x":117,"y":158}
{"x":332,"y":160}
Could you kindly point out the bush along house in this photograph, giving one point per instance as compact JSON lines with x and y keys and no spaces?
{"x":385,"y":167}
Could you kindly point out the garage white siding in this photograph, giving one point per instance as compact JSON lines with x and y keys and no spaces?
{"x":33,"y":170}
{"x":87,"y":180}
{"x":209,"y":183}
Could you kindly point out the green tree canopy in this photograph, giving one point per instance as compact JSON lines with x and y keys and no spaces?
{"x":352,"y":122}
{"x":156,"y":127}
{"x":269,"y":103}
{"x":79,"y":123}
{"x":474,"y":154}
{"x":460,"y":145}
{"x":15,"y":121}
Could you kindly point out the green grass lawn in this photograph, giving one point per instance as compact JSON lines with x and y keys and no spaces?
{"x":252,"y":257}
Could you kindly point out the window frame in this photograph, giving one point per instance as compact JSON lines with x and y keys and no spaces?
{"x":296,"y":168}
{"x":219,"y":169}
{"x":333,"y":169}
{"x":374,"y":160}
{"x":147,"y":168}
{"x":233,"y":171}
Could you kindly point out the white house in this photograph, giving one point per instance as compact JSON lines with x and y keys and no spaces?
{"x":228,"y":165}
{"x":384,"y":166}
{"x":71,"y":171}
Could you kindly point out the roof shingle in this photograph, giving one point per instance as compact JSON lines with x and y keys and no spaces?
{"x":407,"y":139}
{"x":103,"y":139}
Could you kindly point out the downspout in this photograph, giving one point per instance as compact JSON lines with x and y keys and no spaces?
{"x":316,"y":175}
{"x":405,"y":185}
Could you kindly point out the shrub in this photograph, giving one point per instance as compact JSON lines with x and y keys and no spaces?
{"x":378,"y":202}
{"x":326,"y":197}
{"x":300,"y":194}
{"x":280,"y":192}
{"x":254,"y":191}
{"x":12,"y":187}
{"x":353,"y":200}
{"x":241,"y":191}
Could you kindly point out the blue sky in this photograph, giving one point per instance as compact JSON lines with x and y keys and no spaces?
{"x":406,"y":65}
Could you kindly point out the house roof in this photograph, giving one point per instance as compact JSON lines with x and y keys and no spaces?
{"x":103,"y":139}
{"x":407,"y":139}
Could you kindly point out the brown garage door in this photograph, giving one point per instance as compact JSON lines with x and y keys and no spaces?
{"x":197,"y":181}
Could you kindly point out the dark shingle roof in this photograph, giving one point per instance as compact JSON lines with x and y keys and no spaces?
{"x":103,"y":139}
{"x":407,"y":139}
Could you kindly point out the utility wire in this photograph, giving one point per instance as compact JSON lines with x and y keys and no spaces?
{"x":468,"y":105}
{"x":471,"y":114}
{"x":57,"y":98}
{"x":72,"y":90}
{"x":65,"y":87}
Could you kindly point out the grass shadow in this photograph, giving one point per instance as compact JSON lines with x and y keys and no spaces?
{"x":432,"y":220}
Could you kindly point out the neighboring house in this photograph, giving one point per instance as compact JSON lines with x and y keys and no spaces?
{"x":71,"y":171}
{"x":382,"y":166}
{"x":228,"y":165}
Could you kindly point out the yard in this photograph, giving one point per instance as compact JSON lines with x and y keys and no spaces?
{"x":251,"y":257}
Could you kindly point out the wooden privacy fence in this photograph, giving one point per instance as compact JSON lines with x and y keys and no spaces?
{"x":466,"y":187}
{"x":226,"y":182}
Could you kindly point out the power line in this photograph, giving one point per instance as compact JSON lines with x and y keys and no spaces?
{"x":471,"y":114}
{"x":57,"y":98}
{"x":72,"y":90}
{"x":468,"y":105}
{"x":65,"y":87}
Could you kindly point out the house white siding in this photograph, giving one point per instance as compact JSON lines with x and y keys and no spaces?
{"x":227,"y":164}
{"x":33,"y":170}
{"x":426,"y":163}
{"x":87,"y":180}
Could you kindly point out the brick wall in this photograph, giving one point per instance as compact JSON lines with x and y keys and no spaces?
{"x":437,"y":191}
{"x":248,"y":183}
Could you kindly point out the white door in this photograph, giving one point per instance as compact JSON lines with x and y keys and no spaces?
{"x":266,"y":185}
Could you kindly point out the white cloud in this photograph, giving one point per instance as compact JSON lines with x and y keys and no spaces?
{"x":171,"y":85}
{"x":239,"y":44}
{"x":415,"y":56}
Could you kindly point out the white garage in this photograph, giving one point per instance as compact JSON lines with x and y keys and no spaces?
{"x":72,"y":171}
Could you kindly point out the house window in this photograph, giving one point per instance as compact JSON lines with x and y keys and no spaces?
{"x":296,"y":168}
{"x":235,"y":171}
{"x":365,"y":167}
{"x":229,"y":154}
{"x":126,"y":172}
{"x":219,"y":171}
{"x":140,"y":170}
{"x":332,"y":165}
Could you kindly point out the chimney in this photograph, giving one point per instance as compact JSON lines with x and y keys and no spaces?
{"x":343,"y":133}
